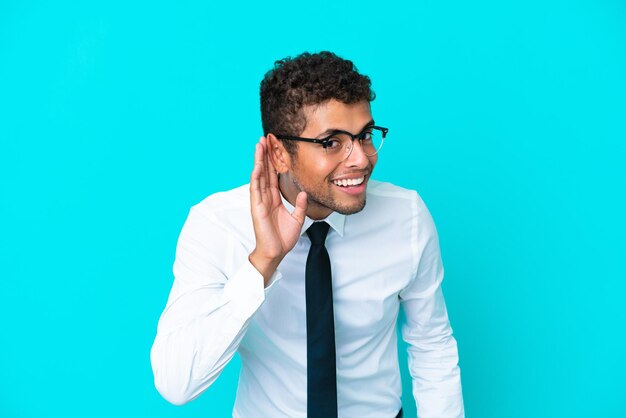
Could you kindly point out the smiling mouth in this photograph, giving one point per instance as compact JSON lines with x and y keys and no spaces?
{"x":349,"y":182}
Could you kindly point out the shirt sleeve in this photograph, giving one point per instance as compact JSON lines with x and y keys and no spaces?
{"x":215,"y":293}
{"x":432,"y":350}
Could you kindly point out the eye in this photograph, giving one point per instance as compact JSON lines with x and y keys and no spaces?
{"x":366,"y":137}
{"x":333,"y":144}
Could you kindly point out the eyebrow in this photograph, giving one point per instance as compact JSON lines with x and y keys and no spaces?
{"x":330,"y":131}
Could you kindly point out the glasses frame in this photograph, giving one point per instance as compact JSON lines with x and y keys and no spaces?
{"x":326,"y":140}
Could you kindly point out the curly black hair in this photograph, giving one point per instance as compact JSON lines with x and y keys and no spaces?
{"x":307,"y":79}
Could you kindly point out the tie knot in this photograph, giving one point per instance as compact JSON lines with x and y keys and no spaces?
{"x":317,"y":233}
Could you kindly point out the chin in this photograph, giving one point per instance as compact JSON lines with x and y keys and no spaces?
{"x":350,"y":210}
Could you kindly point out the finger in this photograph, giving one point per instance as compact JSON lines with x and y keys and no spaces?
{"x":274,"y":188}
{"x":266,"y":160}
{"x":299,"y":213}
{"x":255,"y":184}
{"x":263,"y":173}
{"x":273,"y":179}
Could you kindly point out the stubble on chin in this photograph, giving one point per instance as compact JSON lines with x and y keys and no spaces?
{"x":351,"y":210}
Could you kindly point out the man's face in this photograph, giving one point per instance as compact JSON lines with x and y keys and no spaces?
{"x":320,"y":175}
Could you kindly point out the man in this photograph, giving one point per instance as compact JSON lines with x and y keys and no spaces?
{"x":302,"y":277}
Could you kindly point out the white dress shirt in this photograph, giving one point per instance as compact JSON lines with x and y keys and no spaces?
{"x":383,"y":257}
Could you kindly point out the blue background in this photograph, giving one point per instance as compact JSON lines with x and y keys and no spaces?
{"x":508,"y":117}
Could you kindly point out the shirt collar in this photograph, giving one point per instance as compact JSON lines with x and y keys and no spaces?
{"x":335,"y":220}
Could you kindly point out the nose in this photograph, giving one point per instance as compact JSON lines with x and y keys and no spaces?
{"x":357,"y":157}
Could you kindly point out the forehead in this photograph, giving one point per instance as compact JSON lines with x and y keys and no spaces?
{"x":334,"y":114}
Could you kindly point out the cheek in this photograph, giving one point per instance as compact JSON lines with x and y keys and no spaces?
{"x":321,"y":170}
{"x":312,"y":174}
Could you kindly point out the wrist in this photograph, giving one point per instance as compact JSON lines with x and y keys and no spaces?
{"x":264,"y":265}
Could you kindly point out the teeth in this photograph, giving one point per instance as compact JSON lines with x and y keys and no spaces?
{"x":349,"y":182}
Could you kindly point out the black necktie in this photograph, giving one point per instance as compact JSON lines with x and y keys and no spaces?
{"x":320,"y":328}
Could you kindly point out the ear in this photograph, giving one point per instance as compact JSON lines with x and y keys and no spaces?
{"x":278,"y":154}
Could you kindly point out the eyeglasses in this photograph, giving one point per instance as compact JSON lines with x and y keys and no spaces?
{"x":339,"y":144}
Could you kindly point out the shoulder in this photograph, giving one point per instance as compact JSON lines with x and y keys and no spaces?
{"x":399,"y":206}
{"x":404,"y":212}
{"x":222,"y":203}
{"x":228,"y":212}
{"x":392,"y":196}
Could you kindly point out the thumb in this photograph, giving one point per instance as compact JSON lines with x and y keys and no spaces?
{"x":300,"y":210}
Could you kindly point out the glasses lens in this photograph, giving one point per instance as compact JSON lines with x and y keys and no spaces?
{"x":372,"y":141}
{"x":341,"y":145}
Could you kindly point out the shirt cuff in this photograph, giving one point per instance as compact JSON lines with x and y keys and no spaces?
{"x":245,"y":291}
